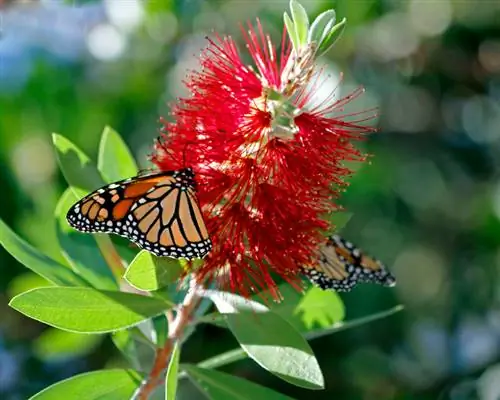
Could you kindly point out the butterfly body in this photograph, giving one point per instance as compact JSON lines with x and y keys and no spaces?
{"x":159,"y":212}
{"x":341,"y":266}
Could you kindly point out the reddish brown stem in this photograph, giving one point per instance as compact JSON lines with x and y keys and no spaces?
{"x":175,"y":332}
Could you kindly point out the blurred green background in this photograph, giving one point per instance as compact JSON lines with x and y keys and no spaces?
{"x":428,"y":203}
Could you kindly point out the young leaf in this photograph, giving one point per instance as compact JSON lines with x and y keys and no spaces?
{"x":87,"y":310}
{"x":111,"y":384}
{"x":79,"y":171}
{"x":301,"y":22}
{"x":318,"y":26}
{"x":80,"y":249}
{"x":269,"y":340}
{"x":305,"y":311}
{"x":56,"y":345}
{"x":38,"y":262}
{"x":221,"y":386}
{"x":320,"y":307}
{"x":115,"y":162}
{"x":148,"y":272}
{"x":172,"y":373}
{"x":292,"y":33}
{"x":332,"y":36}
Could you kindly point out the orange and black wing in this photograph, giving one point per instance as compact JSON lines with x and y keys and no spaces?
{"x":341,"y":266}
{"x":158,"y":212}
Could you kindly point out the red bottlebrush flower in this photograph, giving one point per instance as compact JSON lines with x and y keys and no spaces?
{"x":268,"y":166}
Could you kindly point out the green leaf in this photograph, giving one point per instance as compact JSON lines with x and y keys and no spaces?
{"x":172,"y":373}
{"x":135,"y":347}
{"x":269,"y":340}
{"x":339,"y":220}
{"x":301,"y":21}
{"x":160,"y":325}
{"x":304,"y":311}
{"x":320,"y":307}
{"x":332,"y":36}
{"x":115,"y":161}
{"x":36,"y":261}
{"x":54,"y":344}
{"x":24,"y":282}
{"x":82,"y":176}
{"x":87,"y":310}
{"x":225,"y":358}
{"x":342,"y":326}
{"x":149,"y":272}
{"x":234,"y":355}
{"x":292,"y":33}
{"x":112,"y":384}
{"x":79,"y":171}
{"x":318,"y":26}
{"x":220,"y":386}
{"x":80,"y":249}
{"x":312,"y":309}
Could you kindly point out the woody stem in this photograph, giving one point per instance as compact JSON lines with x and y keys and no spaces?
{"x":176,"y":329}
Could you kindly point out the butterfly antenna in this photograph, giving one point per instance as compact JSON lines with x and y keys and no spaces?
{"x":163,"y":143}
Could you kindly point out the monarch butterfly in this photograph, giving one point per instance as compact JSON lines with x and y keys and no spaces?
{"x":158,"y":211}
{"x":341,"y":266}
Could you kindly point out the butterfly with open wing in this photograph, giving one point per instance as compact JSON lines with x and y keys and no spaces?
{"x":158,"y":211}
{"x":341,"y":266}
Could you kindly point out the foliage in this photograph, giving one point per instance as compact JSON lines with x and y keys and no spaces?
{"x":264,"y":334}
{"x":426,"y":204}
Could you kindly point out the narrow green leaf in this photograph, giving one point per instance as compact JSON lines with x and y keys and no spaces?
{"x":124,"y":342}
{"x":332,"y":37}
{"x":318,"y":26}
{"x":135,"y":347}
{"x":112,"y":384}
{"x":55,"y":345}
{"x":160,"y":325}
{"x":149,"y":272}
{"x":79,"y":171}
{"x":269,"y":340}
{"x":292,"y":33}
{"x":36,"y":261}
{"x":220,"y":386}
{"x":300,"y":20}
{"x":234,"y":355}
{"x":172,"y":373}
{"x":225,"y":358}
{"x":80,"y":249}
{"x":342,"y":326}
{"x":326,"y":31}
{"x":87,"y":310}
{"x":115,"y":161}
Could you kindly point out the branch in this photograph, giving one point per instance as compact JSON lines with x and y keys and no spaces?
{"x":175,"y":332}
{"x":111,"y":256}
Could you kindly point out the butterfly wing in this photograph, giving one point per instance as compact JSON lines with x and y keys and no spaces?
{"x":341,"y":266}
{"x":158,"y":212}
